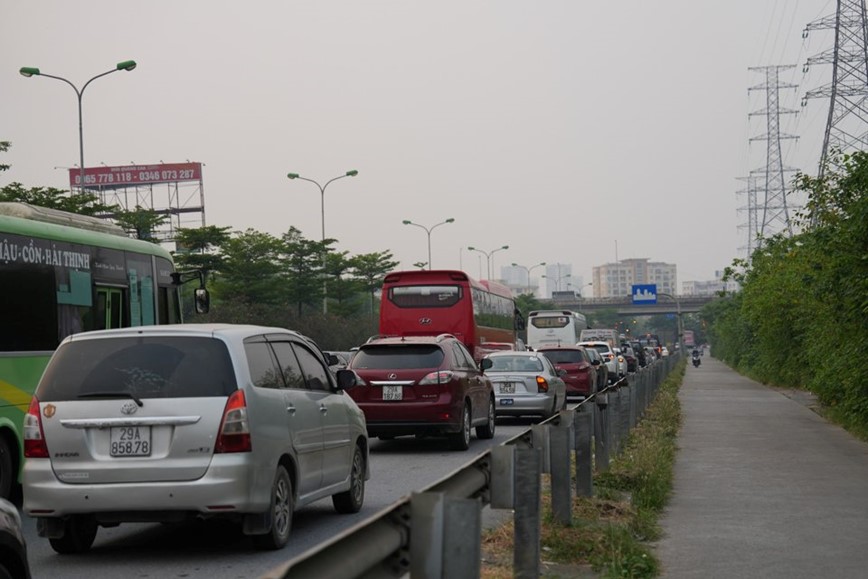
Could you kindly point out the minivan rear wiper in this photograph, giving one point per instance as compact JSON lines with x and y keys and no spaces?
{"x":113,"y":394}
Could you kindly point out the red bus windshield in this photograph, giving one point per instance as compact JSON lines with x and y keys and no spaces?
{"x":429,"y":303}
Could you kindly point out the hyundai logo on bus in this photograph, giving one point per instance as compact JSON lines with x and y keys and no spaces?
{"x":425,"y":321}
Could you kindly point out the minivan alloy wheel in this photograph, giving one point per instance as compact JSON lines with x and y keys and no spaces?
{"x":351,"y":500}
{"x":281,"y":513}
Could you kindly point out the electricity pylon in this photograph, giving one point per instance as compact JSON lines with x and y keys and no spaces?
{"x":847,"y":125}
{"x":775,"y":213}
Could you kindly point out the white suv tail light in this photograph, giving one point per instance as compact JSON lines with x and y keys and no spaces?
{"x":234,"y":433}
{"x":34,"y":438}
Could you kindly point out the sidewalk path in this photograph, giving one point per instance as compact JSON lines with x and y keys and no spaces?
{"x":764,"y":487}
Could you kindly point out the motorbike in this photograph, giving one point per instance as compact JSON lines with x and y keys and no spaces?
{"x":696,"y":361}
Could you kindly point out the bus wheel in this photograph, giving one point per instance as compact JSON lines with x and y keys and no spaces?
{"x":7,"y":476}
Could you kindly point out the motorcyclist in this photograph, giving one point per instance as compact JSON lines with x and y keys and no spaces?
{"x":695,"y":356}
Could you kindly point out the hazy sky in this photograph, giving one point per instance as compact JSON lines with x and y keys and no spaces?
{"x":564,"y":129}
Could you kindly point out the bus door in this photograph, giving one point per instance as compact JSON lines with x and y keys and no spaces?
{"x":109,"y":308}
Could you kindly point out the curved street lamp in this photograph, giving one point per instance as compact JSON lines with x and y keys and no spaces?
{"x":558,"y":280}
{"x":28,"y":71}
{"x":528,"y":270}
{"x":488,"y":255}
{"x":428,"y":230}
{"x":322,"y":189}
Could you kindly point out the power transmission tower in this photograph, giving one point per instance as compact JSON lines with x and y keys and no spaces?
{"x":751,"y":209}
{"x":775,"y":213}
{"x":847,"y":125}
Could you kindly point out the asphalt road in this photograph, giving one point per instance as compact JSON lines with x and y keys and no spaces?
{"x":217,"y":550}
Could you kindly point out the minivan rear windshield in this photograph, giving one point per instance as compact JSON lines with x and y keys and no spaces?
{"x":563,"y":356}
{"x":397,"y":357}
{"x":144,"y":367}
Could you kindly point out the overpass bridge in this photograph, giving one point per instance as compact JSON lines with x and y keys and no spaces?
{"x":686,"y":304}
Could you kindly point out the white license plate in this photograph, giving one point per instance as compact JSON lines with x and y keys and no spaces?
{"x":393,"y":392}
{"x":131,"y":441}
{"x":507,"y":388}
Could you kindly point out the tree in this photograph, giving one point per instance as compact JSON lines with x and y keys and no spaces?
{"x":4,"y":146}
{"x":142,"y":223}
{"x":198,"y":248}
{"x":342,"y":287}
{"x":81,"y":203}
{"x":251,"y":271}
{"x":369,"y":269}
{"x":301,"y":262}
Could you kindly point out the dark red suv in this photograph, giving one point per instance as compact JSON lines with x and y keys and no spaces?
{"x":581,"y":371}
{"x":423,"y":385}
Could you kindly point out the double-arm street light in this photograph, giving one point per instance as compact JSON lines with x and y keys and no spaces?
{"x":28,"y":71}
{"x":428,"y":230}
{"x":528,"y":270}
{"x":558,"y":280}
{"x":488,"y":255}
{"x":322,"y":189}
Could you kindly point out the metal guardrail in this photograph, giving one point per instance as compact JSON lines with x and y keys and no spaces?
{"x":437,"y":532}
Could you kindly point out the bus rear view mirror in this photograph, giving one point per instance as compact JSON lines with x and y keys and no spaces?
{"x":202,"y":300}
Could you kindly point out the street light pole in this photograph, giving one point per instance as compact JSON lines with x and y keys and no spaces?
{"x":488,"y":255}
{"x":28,"y":71}
{"x":679,"y":323}
{"x":322,"y":189}
{"x":428,"y":230}
{"x":528,"y":270}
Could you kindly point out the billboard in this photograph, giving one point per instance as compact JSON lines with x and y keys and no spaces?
{"x":132,"y":175}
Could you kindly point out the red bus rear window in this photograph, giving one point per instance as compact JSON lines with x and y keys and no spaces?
{"x":425,"y":296}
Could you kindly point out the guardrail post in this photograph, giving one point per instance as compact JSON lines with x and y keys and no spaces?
{"x":634,"y":400}
{"x":584,"y":431}
{"x":503,"y":477}
{"x":560,"y":437}
{"x":540,"y":433}
{"x":614,"y":422}
{"x":601,"y":433}
{"x":447,"y":536}
{"x":527,"y":515}
{"x":625,"y":413}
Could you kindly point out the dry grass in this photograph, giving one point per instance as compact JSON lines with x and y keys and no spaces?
{"x":608,"y":533}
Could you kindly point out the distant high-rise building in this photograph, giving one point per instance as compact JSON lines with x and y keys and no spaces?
{"x":709,"y":287}
{"x":616,"y":279}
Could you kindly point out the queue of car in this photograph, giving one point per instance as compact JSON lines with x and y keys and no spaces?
{"x":249,"y":423}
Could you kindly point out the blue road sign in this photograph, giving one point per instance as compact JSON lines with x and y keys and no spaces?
{"x":645,"y":293}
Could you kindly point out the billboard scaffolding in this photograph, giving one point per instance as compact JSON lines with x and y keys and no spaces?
{"x":175,"y":190}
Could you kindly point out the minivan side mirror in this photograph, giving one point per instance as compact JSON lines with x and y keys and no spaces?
{"x":346,"y":379}
{"x":485,"y":364}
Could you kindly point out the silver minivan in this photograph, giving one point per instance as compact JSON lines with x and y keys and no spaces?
{"x":167,"y":423}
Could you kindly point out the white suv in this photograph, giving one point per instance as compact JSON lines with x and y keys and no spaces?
{"x":166,"y":423}
{"x":615,"y":363}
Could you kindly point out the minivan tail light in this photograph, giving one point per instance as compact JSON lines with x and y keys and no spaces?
{"x":234,"y":433}
{"x":34,"y":437}
{"x":439,"y":377}
{"x":541,"y":384}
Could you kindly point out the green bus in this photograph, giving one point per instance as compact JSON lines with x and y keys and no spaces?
{"x":62,"y":273}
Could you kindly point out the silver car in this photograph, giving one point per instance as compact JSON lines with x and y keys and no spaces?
{"x":525,"y":383}
{"x":166,"y":423}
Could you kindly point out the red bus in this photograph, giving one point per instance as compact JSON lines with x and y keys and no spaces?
{"x":482,"y":314}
